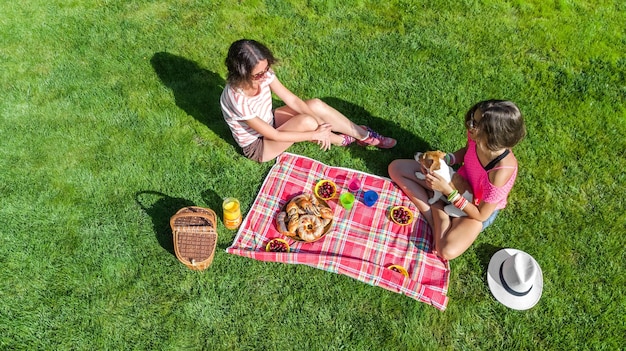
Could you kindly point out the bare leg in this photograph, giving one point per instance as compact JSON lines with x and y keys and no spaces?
{"x":340,"y":123}
{"x":460,"y":235}
{"x":441,"y":222}
{"x":451,"y":236}
{"x":327,"y":114}
{"x":285,"y":114}
{"x":287,"y":122}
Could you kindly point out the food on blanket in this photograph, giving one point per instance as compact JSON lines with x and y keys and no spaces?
{"x":326,"y":214}
{"x":277,"y":245}
{"x":281,"y":222}
{"x":292,"y":208}
{"x":304,"y":218}
{"x":401,"y":215}
{"x":292,"y":224}
{"x":325,"y":189}
{"x":307,"y":204}
{"x":399,"y":269}
{"x":310,"y":227}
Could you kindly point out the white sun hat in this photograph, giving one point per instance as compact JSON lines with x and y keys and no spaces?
{"x":515,"y":279}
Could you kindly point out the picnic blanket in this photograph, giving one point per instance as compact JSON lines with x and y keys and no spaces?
{"x":361,"y":243}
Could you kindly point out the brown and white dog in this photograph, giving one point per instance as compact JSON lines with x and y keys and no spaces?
{"x":434,"y":161}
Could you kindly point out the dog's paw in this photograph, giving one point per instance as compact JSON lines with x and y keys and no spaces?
{"x":420,"y":175}
{"x":454,"y":212}
{"x":436,"y":197}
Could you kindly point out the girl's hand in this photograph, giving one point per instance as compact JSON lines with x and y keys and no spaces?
{"x":322,"y":136}
{"x":436,"y":182}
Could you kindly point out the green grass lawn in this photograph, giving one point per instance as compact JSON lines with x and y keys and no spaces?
{"x":110,"y":122}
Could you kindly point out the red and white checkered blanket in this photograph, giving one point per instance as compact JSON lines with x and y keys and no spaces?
{"x":362,"y":242}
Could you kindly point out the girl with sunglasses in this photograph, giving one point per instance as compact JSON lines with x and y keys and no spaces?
{"x":264,"y":133}
{"x":488,"y":172}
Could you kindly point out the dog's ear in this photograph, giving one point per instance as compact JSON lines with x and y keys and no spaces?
{"x":435,"y":165}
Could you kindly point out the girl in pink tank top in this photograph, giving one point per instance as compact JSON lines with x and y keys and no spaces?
{"x":488,"y":172}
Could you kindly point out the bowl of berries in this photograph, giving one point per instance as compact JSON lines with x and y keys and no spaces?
{"x":399,"y":269}
{"x":325,"y":189}
{"x":277,"y":245}
{"x":401,"y":215}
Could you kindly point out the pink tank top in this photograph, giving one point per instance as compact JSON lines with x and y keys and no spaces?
{"x":472,"y":170}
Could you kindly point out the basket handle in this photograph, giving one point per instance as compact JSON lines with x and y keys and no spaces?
{"x":210,"y":217}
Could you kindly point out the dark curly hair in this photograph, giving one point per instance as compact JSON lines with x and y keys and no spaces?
{"x":243,"y":55}
{"x":502,"y":124}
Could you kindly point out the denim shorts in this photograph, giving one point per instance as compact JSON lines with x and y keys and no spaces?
{"x":490,"y":220}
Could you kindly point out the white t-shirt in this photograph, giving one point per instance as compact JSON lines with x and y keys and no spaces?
{"x":237,"y":108}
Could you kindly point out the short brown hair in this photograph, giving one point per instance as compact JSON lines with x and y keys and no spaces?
{"x":502,"y":123}
{"x":243,"y":55}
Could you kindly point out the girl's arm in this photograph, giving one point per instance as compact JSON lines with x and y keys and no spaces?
{"x":459,"y":155}
{"x":482,"y":212}
{"x":271,"y":133}
{"x":484,"y":209}
{"x":497,"y":177}
{"x":290,"y":99}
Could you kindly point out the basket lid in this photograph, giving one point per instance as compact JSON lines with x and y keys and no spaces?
{"x":195,"y":235}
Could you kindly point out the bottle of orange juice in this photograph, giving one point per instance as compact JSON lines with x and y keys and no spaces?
{"x":232,"y":213}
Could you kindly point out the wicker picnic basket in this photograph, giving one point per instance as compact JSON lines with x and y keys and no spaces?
{"x":195,"y":236}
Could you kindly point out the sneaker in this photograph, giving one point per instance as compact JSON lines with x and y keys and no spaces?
{"x":347,"y":140}
{"x":377,"y":140}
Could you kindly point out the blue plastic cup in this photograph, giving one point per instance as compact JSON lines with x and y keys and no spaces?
{"x":370,"y":197}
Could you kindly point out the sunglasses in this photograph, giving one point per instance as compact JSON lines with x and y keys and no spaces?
{"x":260,"y":74}
{"x":471,"y":123}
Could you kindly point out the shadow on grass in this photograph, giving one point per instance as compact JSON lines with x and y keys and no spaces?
{"x":214,"y":202}
{"x":160,"y":208}
{"x":484,"y":252}
{"x":197,"y":91}
{"x":378,"y":160}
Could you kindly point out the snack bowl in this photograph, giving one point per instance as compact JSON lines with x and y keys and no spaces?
{"x":401,"y":215}
{"x":309,"y":226}
{"x":325,"y":189}
{"x":277,"y":245}
{"x":399,"y":269}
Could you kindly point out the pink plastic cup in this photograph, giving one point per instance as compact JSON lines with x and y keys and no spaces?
{"x":354,"y":185}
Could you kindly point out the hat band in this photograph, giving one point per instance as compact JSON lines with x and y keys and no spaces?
{"x":508,"y":289}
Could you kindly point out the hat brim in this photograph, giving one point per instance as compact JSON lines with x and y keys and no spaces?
{"x":499,"y":291}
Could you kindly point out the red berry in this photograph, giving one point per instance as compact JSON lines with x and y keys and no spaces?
{"x":401,"y":215}
{"x":277,"y":246}
{"x":325,"y":189}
